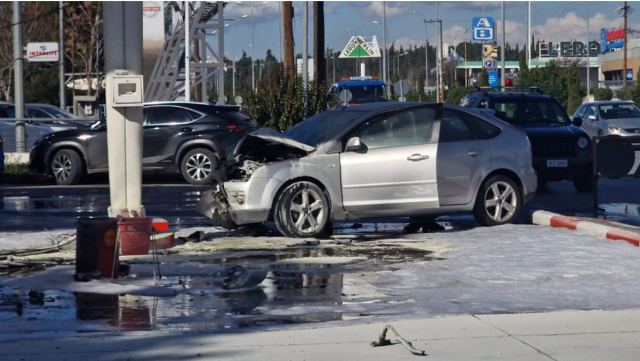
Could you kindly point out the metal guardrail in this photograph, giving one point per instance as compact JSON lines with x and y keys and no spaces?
{"x":614,"y":157}
{"x":35,"y":128}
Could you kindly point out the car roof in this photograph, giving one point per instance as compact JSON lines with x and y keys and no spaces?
{"x":196,"y":105}
{"x":347,"y":83}
{"x":516,"y":94}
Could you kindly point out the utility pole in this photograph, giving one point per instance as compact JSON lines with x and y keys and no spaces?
{"x":440,"y":94}
{"x":253,"y":56}
{"x":625,"y":11}
{"x":61,"y":54}
{"x":466,"y":72}
{"x":305,"y":55}
{"x":385,"y":60}
{"x":529,"y":44}
{"x":287,"y":28}
{"x":220,"y":56}
{"x":426,"y":58}
{"x":588,"y":57}
{"x":319,"y":60}
{"x":18,"y":95}
{"x":503,"y":50}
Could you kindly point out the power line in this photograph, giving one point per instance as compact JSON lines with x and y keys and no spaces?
{"x":35,"y":18}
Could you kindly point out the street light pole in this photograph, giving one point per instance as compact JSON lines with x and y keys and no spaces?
{"x":253,"y":58}
{"x":466,"y":71}
{"x":503,"y":51}
{"x":18,"y":97}
{"x":440,"y":94}
{"x":61,"y":53}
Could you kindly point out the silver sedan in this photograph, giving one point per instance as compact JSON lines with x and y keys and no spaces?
{"x":613,"y":117}
{"x":376,"y":160}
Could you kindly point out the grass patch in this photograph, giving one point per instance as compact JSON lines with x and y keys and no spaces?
{"x":16,"y":169}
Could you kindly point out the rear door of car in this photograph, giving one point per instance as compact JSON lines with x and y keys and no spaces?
{"x":163,"y":124}
{"x":462,"y":155}
{"x":397,"y":171}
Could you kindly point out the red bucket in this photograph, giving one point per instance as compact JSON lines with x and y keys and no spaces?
{"x":135,"y":234}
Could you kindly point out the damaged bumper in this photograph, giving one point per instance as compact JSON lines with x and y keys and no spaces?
{"x":238,"y":203}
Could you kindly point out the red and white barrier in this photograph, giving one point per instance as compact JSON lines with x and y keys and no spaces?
{"x":594,"y":227}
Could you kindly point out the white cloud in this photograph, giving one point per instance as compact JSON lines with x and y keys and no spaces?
{"x":572,"y":26}
{"x":262,"y":10}
{"x":392,"y":9}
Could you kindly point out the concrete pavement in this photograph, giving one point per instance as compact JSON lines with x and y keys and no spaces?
{"x":562,"y":336}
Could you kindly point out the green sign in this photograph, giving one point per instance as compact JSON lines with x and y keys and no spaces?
{"x":359,"y":48}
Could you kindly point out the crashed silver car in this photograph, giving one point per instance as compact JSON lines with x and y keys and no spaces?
{"x":376,"y":160}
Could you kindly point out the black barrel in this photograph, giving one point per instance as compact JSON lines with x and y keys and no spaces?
{"x":96,"y":252}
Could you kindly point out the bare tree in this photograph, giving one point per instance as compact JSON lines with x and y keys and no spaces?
{"x":38,"y":24}
{"x":83,"y":39}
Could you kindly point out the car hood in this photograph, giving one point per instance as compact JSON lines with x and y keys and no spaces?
{"x":565,"y":131}
{"x":625,"y":123}
{"x":274,"y":136}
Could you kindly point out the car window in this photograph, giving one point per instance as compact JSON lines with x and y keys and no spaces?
{"x":480,"y":128}
{"x":454,"y":128}
{"x":528,"y":111}
{"x":618,"y":111}
{"x":580,"y":111}
{"x":36,"y":113}
{"x":166,"y":115}
{"x":592,"y":110}
{"x":409,"y":127}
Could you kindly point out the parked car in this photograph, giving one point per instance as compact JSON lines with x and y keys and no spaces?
{"x":1,"y":158}
{"x":34,"y":129}
{"x":376,"y":160}
{"x":361,"y":90}
{"x":615,"y":117}
{"x":561,"y":150}
{"x":189,"y":138}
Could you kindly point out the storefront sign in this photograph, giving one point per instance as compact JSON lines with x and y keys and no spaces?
{"x":490,"y":56}
{"x":42,"y":52}
{"x":568,"y":49}
{"x":612,"y":39}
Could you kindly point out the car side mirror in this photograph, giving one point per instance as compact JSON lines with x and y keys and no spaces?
{"x":577,"y":121}
{"x":355,"y":145}
{"x":592,"y":117}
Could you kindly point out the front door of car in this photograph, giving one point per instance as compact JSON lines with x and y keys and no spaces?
{"x":591,"y":122}
{"x":161,"y":125}
{"x":461,"y":158}
{"x":395,"y":170}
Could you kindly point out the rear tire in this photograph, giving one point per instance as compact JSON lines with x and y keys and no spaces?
{"x":200,"y":166}
{"x":498,"y":202}
{"x":66,"y":167}
{"x":303,"y":210}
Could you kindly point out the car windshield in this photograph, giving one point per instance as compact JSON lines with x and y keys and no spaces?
{"x":530,"y":112}
{"x":366,"y":93}
{"x":619,"y":111}
{"x":322,"y":127}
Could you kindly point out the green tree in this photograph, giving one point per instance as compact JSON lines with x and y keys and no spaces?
{"x":483,"y":80}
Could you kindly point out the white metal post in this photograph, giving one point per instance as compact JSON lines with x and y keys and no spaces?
{"x":123,"y":54}
{"x":588,"y":56}
{"x":187,"y":53}
{"x":529,"y":43}
{"x":503,"y":52}
{"x":253,"y":56}
{"x":385,"y":55}
{"x":305,"y":54}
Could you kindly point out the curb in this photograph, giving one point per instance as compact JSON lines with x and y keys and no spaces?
{"x":594,"y":227}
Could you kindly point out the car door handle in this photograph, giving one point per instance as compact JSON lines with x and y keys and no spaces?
{"x":474,"y":153}
{"x":186,"y":129}
{"x":417,"y":157}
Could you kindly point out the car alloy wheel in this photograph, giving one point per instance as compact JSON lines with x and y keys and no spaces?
{"x":199,"y":166}
{"x":500,"y":201}
{"x":61,"y":167}
{"x":307,"y":211}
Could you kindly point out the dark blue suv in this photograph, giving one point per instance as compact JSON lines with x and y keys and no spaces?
{"x":561,"y":149}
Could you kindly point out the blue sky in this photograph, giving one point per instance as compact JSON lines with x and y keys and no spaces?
{"x":551,"y":21}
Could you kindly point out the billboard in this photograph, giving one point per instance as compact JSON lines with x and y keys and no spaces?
{"x":612,"y":39}
{"x":482,"y":28}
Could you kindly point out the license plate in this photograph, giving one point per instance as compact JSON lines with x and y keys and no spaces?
{"x":557,"y":163}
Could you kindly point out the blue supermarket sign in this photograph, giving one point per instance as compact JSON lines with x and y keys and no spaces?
{"x":494,"y":79}
{"x":482,"y":28}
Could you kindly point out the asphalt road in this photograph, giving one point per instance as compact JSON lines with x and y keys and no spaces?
{"x":38,"y":207}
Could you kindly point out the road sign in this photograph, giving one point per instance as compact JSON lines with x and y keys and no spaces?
{"x":42,"y":52}
{"x":490,"y":64}
{"x":482,"y":28}
{"x":357,"y":47}
{"x":494,"y":80}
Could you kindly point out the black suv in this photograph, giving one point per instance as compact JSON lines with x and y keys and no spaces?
{"x":561,"y":150}
{"x":190,"y":138}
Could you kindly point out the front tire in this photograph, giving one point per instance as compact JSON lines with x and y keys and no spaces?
{"x":66,"y":167}
{"x":303,"y":210}
{"x":498,"y":202}
{"x":200,"y":166}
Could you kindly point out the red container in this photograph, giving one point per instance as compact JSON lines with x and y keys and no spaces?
{"x":135,"y":234}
